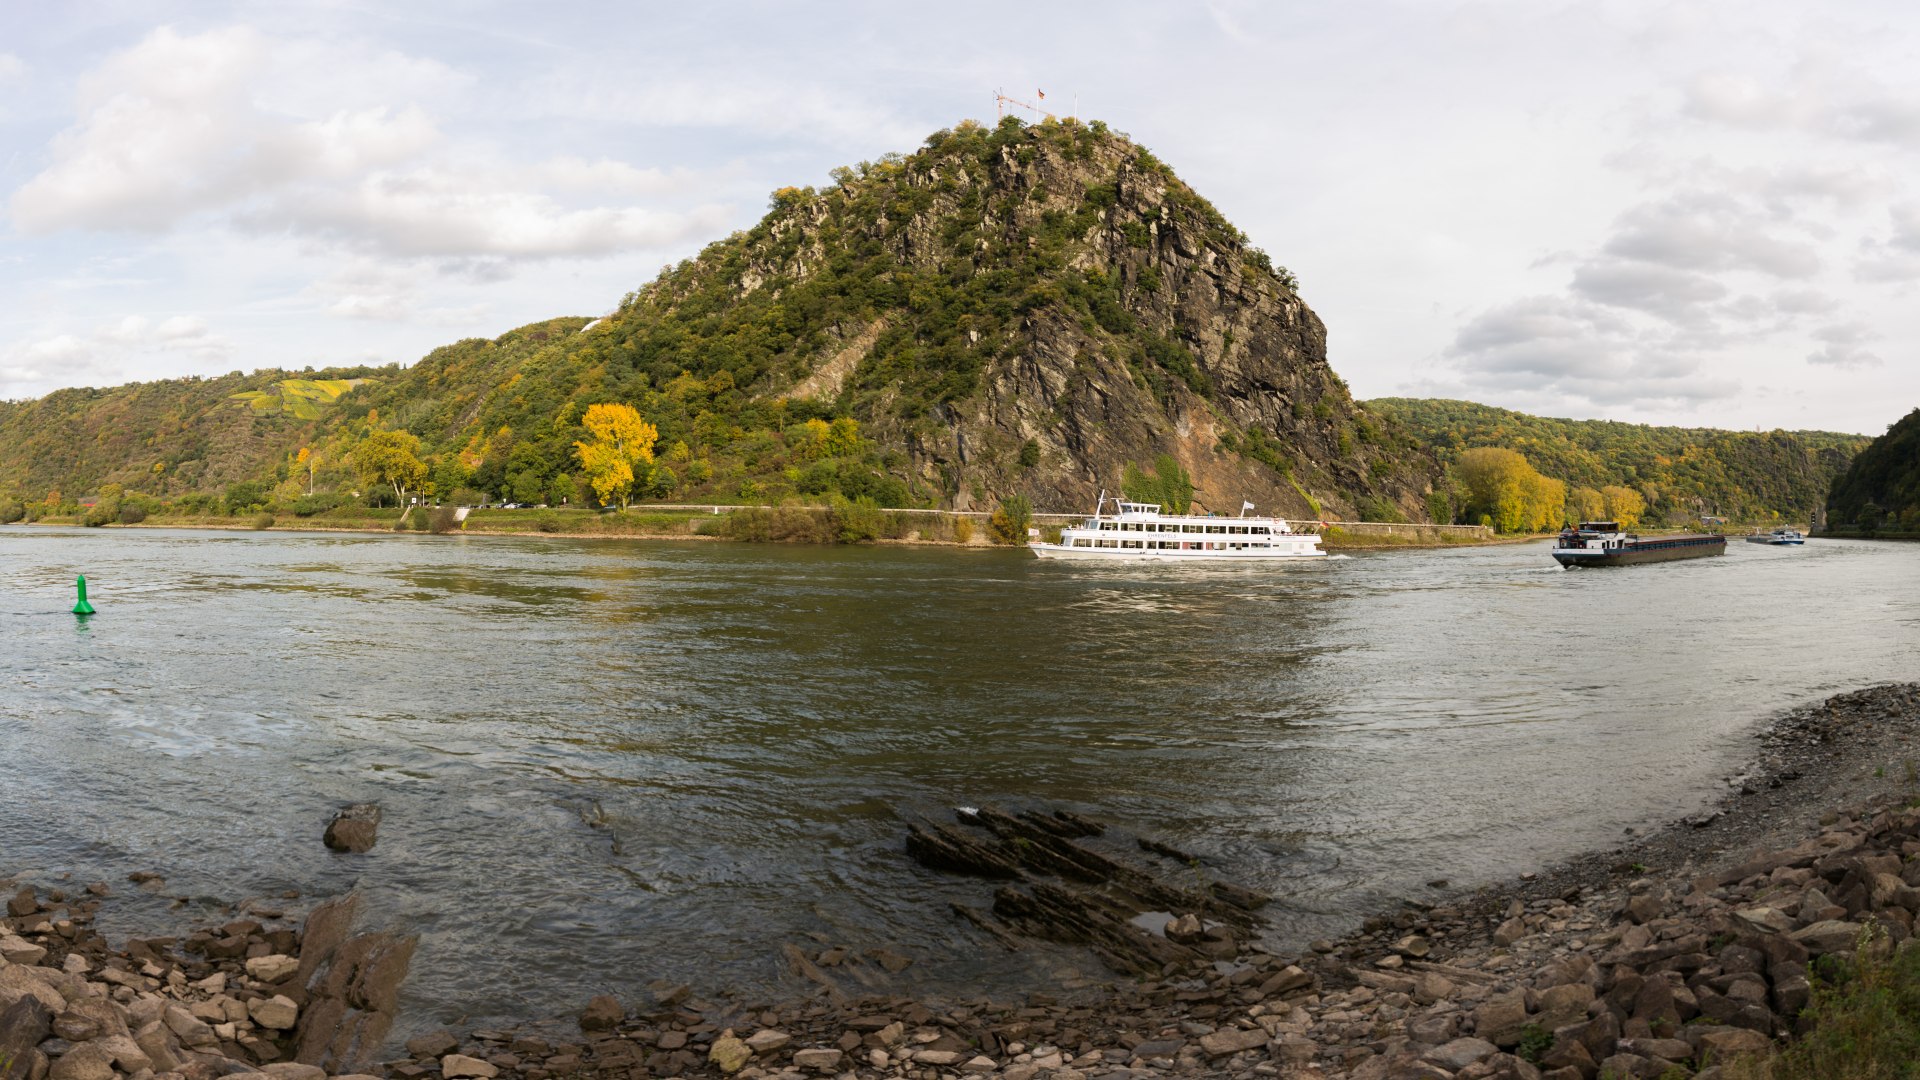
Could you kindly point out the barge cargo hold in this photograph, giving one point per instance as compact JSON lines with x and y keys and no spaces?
{"x":1602,"y":543}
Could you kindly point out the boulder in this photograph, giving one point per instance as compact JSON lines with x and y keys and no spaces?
{"x":1509,"y":932}
{"x":1501,"y":1017}
{"x":729,"y":1054}
{"x":22,"y":903}
{"x":767,"y":1041}
{"x":603,"y":1013}
{"x":1460,"y":1053}
{"x":273,"y":968}
{"x":158,"y":1044}
{"x":17,"y":982}
{"x":189,"y":1029}
{"x":277,"y":1013}
{"x":1720,"y":1045}
{"x":87,"y":1061}
{"x":1286,"y":981}
{"x":1828,"y":936}
{"x":457,"y":1066}
{"x":350,"y":1008}
{"x":821,"y":1060}
{"x":23,"y":1025}
{"x":18,"y":950}
{"x":353,"y":829}
{"x":1227,"y":1041}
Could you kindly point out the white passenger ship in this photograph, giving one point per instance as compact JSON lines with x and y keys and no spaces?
{"x":1140,"y":532}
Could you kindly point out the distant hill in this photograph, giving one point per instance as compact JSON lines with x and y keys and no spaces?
{"x":1682,"y":473}
{"x":1008,"y":310}
{"x":1879,"y":495}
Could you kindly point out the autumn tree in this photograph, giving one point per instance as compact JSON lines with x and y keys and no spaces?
{"x":1586,"y":504}
{"x":1502,"y":486}
{"x":390,"y":459}
{"x":1624,"y":505}
{"x":618,"y":443}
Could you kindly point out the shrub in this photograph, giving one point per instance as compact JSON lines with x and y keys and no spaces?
{"x":263,"y":521}
{"x":12,"y":510}
{"x":443,"y":520}
{"x":132,"y":514}
{"x":1374,"y":508}
{"x":248,"y":495}
{"x":309,"y":505}
{"x":856,"y":521}
{"x":99,"y":515}
{"x":1009,"y":523}
{"x":549,"y":522}
{"x":1029,"y":454}
{"x":963,"y":530}
{"x":780,"y":524}
{"x":1862,"y":1024}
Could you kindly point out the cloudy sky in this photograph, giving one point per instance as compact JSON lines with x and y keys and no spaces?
{"x":1679,"y":213}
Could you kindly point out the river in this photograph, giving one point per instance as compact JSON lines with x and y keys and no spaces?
{"x":608,"y":762}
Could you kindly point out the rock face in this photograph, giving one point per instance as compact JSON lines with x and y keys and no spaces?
{"x":354,"y":829}
{"x":354,"y":992}
{"x":1080,"y":308}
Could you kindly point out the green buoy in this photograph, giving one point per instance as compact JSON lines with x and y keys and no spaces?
{"x":82,"y":608}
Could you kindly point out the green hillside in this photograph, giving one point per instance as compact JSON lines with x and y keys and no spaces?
{"x":1682,"y":473}
{"x":1008,"y":311}
{"x":1879,"y":495}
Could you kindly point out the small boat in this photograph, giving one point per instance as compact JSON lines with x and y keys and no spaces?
{"x":1603,"y":543}
{"x":1139,"y":532}
{"x":1785,"y":534}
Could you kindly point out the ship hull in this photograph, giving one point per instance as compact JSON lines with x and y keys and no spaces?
{"x":1646,"y":551}
{"x":1056,"y":551}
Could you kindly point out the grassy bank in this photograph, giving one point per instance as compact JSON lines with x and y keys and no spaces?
{"x":1863,"y":1022}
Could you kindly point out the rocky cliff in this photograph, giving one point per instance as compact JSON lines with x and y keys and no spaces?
{"x":1032,"y":309}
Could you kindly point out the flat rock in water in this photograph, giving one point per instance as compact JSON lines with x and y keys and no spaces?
{"x":603,"y":1013}
{"x":354,"y":829}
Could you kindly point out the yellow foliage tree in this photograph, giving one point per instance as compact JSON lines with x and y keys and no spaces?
{"x":619,"y":441}
{"x":391,"y":459}
{"x":1624,"y":505}
{"x":1501,"y":485}
{"x":1586,"y":504}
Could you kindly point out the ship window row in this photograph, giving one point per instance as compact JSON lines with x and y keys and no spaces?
{"x":1166,"y":545}
{"x":1219,"y":530}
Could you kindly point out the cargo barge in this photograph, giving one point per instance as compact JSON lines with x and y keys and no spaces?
{"x":1602,"y":543}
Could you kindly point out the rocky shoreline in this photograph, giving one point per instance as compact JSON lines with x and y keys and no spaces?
{"x":1664,"y":957}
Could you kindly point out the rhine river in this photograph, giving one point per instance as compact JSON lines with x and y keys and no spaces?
{"x":608,"y":762}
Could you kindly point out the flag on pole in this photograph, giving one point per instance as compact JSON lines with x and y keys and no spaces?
{"x":1042,"y":93}
{"x":1246,"y":506}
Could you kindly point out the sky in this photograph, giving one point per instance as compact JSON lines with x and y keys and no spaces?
{"x":1692,"y":213}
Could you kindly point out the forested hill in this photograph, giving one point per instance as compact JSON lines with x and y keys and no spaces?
{"x":1682,"y":473}
{"x":1879,"y":495}
{"x":1008,"y":310}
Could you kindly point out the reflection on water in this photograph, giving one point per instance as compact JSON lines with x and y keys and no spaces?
{"x":605,"y":762}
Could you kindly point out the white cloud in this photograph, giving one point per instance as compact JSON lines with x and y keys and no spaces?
{"x":1709,"y":231}
{"x":1844,"y":346}
{"x":12,"y":68}
{"x":1551,"y":348}
{"x":176,"y":131}
{"x":106,"y":352}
